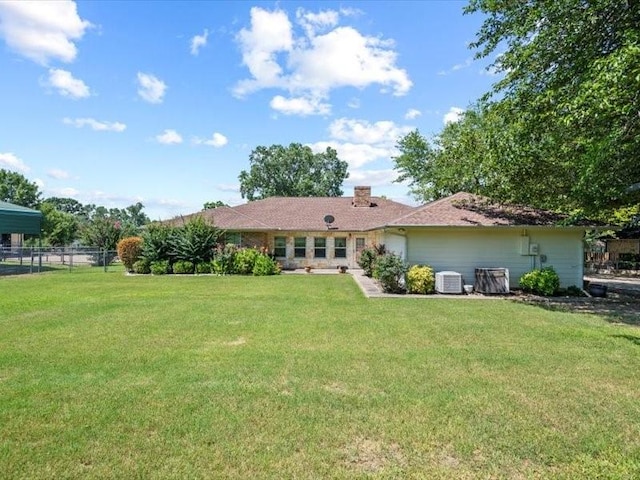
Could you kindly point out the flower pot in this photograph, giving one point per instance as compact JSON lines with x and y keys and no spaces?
{"x":597,"y":290}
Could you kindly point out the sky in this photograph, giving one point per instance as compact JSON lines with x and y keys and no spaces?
{"x":118,"y":102}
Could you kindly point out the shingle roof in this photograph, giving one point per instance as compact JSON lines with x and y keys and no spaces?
{"x":303,"y":213}
{"x":465,"y":209}
{"x":307,"y":214}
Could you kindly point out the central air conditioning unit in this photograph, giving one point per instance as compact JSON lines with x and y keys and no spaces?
{"x":448,"y":282}
{"x":492,"y":280}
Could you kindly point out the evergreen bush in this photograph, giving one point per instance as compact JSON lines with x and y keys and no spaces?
{"x":182,"y":267}
{"x":265,"y":265}
{"x":142,"y":266}
{"x":160,"y":267}
{"x":390,"y":270}
{"x":543,"y":282}
{"x":421,"y":279}
{"x":368,"y":258}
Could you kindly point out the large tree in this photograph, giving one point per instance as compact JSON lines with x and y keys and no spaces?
{"x":16,"y":188}
{"x":293,"y":171}
{"x":59,"y":228}
{"x":570,"y":93}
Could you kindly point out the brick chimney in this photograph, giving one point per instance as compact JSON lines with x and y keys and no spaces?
{"x":361,"y":196}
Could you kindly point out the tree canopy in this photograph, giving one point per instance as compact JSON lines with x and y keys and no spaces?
{"x":561,"y":127}
{"x":214,"y":204}
{"x":16,"y":188}
{"x":293,"y":171}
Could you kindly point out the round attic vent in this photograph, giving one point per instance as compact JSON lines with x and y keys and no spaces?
{"x":329,"y":219}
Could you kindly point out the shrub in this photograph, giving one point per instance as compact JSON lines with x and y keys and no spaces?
{"x":224,"y":259}
{"x":543,"y":281}
{"x":142,"y":266}
{"x":129,"y":251}
{"x":421,"y":279}
{"x":203,"y":268}
{"x":245,"y":260}
{"x":155,"y":242}
{"x":160,"y":267}
{"x":182,"y":267}
{"x":265,"y":265}
{"x":390,"y":271}
{"x":195,"y":242}
{"x":368,"y":258}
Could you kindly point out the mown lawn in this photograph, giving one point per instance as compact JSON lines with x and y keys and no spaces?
{"x":104,"y":375}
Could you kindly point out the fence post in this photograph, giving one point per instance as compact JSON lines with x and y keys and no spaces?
{"x":31,"y":267}
{"x":104,"y":259}
{"x":71,"y":258}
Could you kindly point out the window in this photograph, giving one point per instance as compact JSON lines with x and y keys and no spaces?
{"x":300,"y":247}
{"x":360,"y":242}
{"x":233,"y":237}
{"x":320,"y":247}
{"x":340,"y":247}
{"x":280,"y":246}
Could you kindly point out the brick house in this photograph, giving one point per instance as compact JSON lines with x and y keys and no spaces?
{"x":461,"y":232}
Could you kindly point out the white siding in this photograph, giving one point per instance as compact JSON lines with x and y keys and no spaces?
{"x":464,"y":249}
{"x":396,"y":243}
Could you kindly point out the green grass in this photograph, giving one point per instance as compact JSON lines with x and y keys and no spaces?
{"x":104,"y":375}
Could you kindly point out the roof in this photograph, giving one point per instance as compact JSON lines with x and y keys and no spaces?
{"x":303,"y":214}
{"x":18,"y":219}
{"x":466,"y":209}
{"x":308,"y":213}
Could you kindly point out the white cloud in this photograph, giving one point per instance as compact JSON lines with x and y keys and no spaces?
{"x":270,"y":33}
{"x":169,"y":137}
{"x":39,"y":183}
{"x":228,"y":187}
{"x":11,"y":162}
{"x":67,"y":192}
{"x":355,"y":154}
{"x":67,"y":85}
{"x":151,"y":88}
{"x":199,"y":41}
{"x":42,"y":31}
{"x":354,"y":103}
{"x":302,"y":106}
{"x":362,"y":131}
{"x":96,"y":125}
{"x":371,"y":177}
{"x":458,"y":66}
{"x":309,"y":65}
{"x":312,"y":22}
{"x":453,"y":115}
{"x":359,"y":142}
{"x":217,"y":140}
{"x":58,"y":174}
{"x":412,"y":114}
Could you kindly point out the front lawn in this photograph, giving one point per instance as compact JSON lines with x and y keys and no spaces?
{"x":299,"y":376}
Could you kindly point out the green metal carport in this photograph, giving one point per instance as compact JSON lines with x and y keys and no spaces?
{"x":17,"y":219}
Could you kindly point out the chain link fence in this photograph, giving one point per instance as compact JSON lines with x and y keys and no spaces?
{"x":17,"y":260}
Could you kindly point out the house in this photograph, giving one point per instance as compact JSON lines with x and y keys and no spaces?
{"x":457,"y":233}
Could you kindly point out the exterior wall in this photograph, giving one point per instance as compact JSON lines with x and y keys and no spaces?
{"x":330,"y":261}
{"x":255,"y":240}
{"x":396,"y":243}
{"x":464,"y":249}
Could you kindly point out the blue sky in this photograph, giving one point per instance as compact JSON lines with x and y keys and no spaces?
{"x":162,"y":102}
